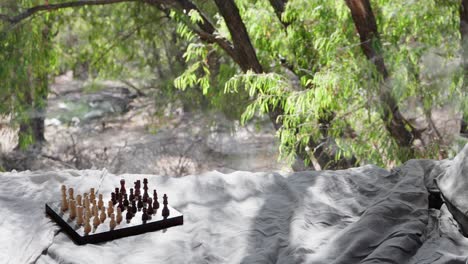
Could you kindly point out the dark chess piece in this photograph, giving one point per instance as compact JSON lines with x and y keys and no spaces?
{"x":113,"y":198}
{"x":128,"y":216}
{"x":117,"y":193}
{"x":122,"y":187}
{"x":144,"y":216}
{"x":132,"y":196}
{"x":165,"y":210}
{"x":155,"y":201}
{"x":121,"y":205}
{"x":140,"y":203}
{"x":145,"y":192}
{"x":134,"y":207}
{"x":150,"y":207}
{"x":125,"y":202}
{"x":137,"y":188}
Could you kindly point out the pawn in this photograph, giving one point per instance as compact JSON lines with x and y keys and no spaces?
{"x":110,"y":209}
{"x":94,"y":209}
{"x":78,"y":200}
{"x":72,"y":207}
{"x":64,"y":190}
{"x":134,"y":207}
{"x":132,"y":196}
{"x":102,"y":217}
{"x":121,"y":205}
{"x":70,"y":194}
{"x":88,"y":213}
{"x":113,"y":198}
{"x":144,"y":216}
{"x":122,"y":186}
{"x":64,"y":206}
{"x":125,"y":202}
{"x":112,"y":222}
{"x":100,"y":202}
{"x":165,"y":211}
{"x":96,"y":221}
{"x":155,"y":202}
{"x":87,"y":226}
{"x":150,"y":207}
{"x":79,"y":215}
{"x":128,"y":216}
{"x":140,"y":203}
{"x":92,"y":195}
{"x":119,"y":216}
{"x":86,"y":203}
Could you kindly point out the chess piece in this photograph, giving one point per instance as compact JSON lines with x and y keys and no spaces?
{"x":128,"y":216}
{"x":92,"y":195}
{"x":94,"y":209}
{"x":117,"y":194}
{"x":100,"y":202}
{"x":64,"y":206}
{"x":88,"y":213}
{"x":70,"y":194}
{"x":119,"y":215}
{"x":78,"y":200}
{"x":87,"y":204}
{"x":137,"y":188}
{"x":87,"y":226}
{"x":134,"y":207}
{"x":150,"y":207}
{"x":79,"y":215}
{"x":125,"y":202}
{"x":102,"y":217}
{"x":140,"y":203}
{"x":110,"y":209}
{"x":155,"y":202}
{"x":145,"y":192}
{"x":122,"y":186}
{"x":113,"y":198}
{"x":145,"y":184}
{"x":144,"y":216}
{"x":72,"y":207}
{"x":64,"y":190}
{"x":165,"y":210}
{"x":112,"y":222}
{"x":96,"y":220}
{"x":121,"y":205}
{"x":132,"y":196}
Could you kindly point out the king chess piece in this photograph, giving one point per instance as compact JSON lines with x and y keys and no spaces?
{"x":165,"y":210}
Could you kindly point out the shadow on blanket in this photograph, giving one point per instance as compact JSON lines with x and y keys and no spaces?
{"x":362,"y":215}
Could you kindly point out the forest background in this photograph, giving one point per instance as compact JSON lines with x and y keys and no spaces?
{"x":344,"y":83}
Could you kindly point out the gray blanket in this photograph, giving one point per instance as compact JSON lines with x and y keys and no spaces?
{"x":360,"y":215}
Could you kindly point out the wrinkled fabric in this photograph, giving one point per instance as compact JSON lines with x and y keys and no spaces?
{"x":359,"y":215}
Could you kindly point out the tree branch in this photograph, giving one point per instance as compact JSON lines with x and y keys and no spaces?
{"x":36,"y":9}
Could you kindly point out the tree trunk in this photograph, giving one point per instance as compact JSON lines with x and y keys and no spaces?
{"x":464,"y":45}
{"x":366,"y":26}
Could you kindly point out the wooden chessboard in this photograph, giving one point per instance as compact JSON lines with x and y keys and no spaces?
{"x":103,"y":232}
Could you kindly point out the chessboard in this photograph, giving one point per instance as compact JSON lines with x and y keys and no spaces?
{"x":86,"y":219}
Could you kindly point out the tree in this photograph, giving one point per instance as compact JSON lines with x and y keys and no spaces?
{"x":299,"y":63}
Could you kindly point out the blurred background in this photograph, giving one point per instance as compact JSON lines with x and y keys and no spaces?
{"x":181,"y":87}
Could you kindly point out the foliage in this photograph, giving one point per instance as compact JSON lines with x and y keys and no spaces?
{"x":27,"y":58}
{"x":313,"y":65}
